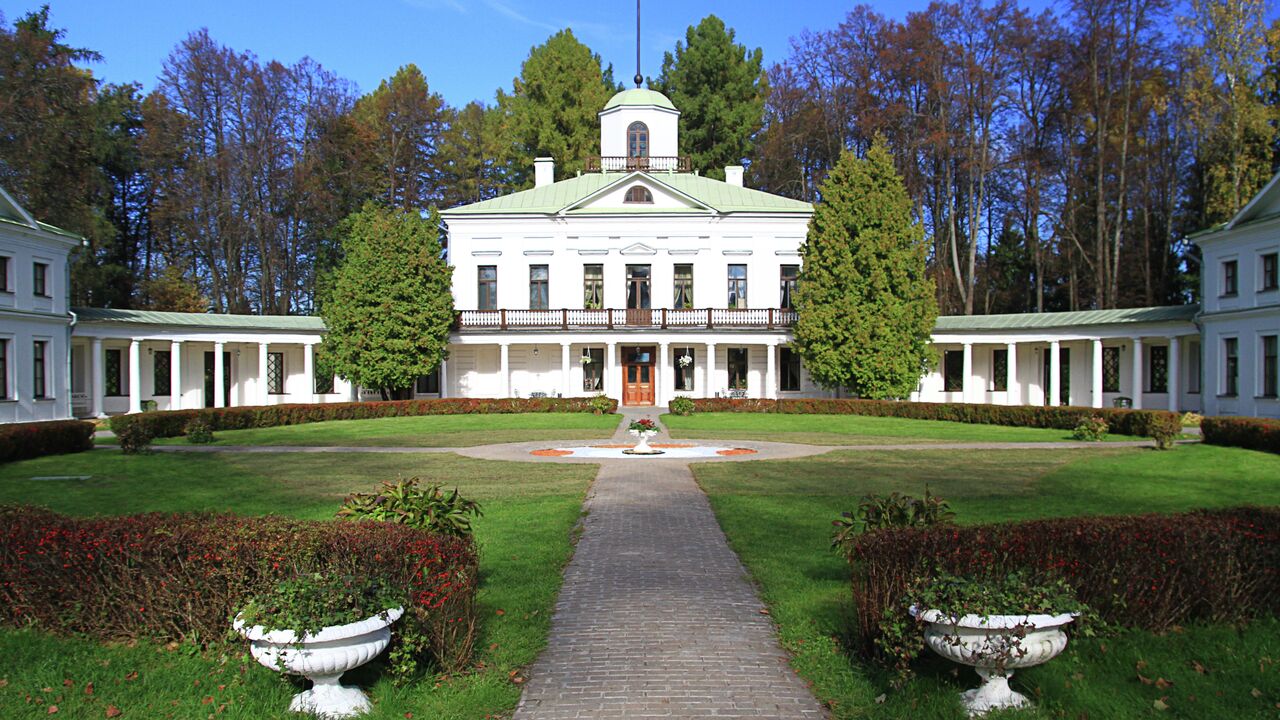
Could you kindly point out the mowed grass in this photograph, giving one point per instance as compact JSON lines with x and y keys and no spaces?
{"x":525,"y":539}
{"x":852,"y":430}
{"x":424,"y":431}
{"x":777,"y":516}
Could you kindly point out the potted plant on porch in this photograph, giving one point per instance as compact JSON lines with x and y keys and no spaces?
{"x":643,"y":429}
{"x":321,"y":627}
{"x":994,"y":625}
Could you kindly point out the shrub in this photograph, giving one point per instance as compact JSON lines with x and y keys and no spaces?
{"x":1249,"y":433}
{"x":198,"y":432}
{"x":1158,"y":424}
{"x":1146,"y":571}
{"x":602,"y":405}
{"x":1091,"y":429}
{"x":893,"y":510}
{"x":1191,"y":419}
{"x":24,"y":441}
{"x":134,"y":437}
{"x":173,"y":423}
{"x":682,"y":406}
{"x":176,"y":577}
{"x":405,"y":503}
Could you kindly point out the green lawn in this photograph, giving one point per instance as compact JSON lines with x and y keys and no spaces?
{"x":851,"y":429}
{"x":777,"y":516}
{"x":525,"y":538}
{"x":425,"y":431}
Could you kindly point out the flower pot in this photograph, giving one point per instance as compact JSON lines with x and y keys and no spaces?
{"x":322,"y":658}
{"x":642,"y":447}
{"x":994,"y":645}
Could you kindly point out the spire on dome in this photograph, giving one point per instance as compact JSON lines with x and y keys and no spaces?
{"x":638,"y":78}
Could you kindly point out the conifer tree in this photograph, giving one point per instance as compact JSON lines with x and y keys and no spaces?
{"x":719,"y":87}
{"x":388,"y":307}
{"x":866,"y":307}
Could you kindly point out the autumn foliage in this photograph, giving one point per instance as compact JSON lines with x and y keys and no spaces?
{"x":181,"y":576}
{"x":1145,"y":571}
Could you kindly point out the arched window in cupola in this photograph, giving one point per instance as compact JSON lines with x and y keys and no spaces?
{"x":637,"y":140}
{"x":639,"y":194}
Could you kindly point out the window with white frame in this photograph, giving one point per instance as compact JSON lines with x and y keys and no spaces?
{"x":160,"y":369}
{"x":40,"y":369}
{"x":5,"y":263}
{"x":487,"y":287}
{"x":4,"y":369}
{"x":1230,"y":366}
{"x":789,"y":364}
{"x":1110,"y":369}
{"x":1270,"y":272}
{"x":275,"y":373}
{"x":1194,"y":372}
{"x":40,"y":279}
{"x":113,"y":372}
{"x":1270,"y":366}
{"x":1157,"y":369}
{"x":1230,"y":277}
{"x":593,"y":286}
{"x":953,"y":370}
{"x":789,"y":277}
{"x":737,"y":286}
{"x":684,"y":361}
{"x":738,"y":365}
{"x":593,"y":369}
{"x":539,"y":287}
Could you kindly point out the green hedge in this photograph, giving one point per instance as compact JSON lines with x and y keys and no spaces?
{"x":23,"y":441}
{"x":1244,"y":432}
{"x":172,"y":423}
{"x":1143,"y":423}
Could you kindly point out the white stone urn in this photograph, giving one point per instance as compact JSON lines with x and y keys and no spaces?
{"x":322,"y":658}
{"x":642,"y":447}
{"x":987,"y":642}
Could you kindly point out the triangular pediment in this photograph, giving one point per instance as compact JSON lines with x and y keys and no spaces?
{"x":619,"y":197}
{"x":638,"y":249}
{"x":1265,"y":204}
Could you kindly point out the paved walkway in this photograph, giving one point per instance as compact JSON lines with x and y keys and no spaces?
{"x":656,"y":617}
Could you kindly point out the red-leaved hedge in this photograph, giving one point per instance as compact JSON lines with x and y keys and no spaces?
{"x":1243,"y":432}
{"x":1146,"y":571}
{"x":176,"y":576}
{"x":172,"y":423}
{"x":1144,"y":423}
{"x":23,"y":441}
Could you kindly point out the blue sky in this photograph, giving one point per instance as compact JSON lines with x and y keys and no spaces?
{"x":467,"y":48}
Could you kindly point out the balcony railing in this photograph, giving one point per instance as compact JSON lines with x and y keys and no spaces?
{"x":660,"y":319}
{"x":608,"y":163}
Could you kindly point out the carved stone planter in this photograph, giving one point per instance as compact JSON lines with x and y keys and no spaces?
{"x":1019,"y":641}
{"x":323,"y":658}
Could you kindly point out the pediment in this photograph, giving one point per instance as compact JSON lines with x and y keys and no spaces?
{"x":637,"y":249}
{"x":616,"y":198}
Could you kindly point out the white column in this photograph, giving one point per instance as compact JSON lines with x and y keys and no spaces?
{"x":710,"y":389}
{"x":1175,"y":385}
{"x":966,"y":374}
{"x":610,"y":365}
{"x":565,"y":375}
{"x":504,"y":371}
{"x":219,"y":375}
{"x":444,"y":378}
{"x":309,"y":371}
{"x":666,"y":375}
{"x":771,"y":370}
{"x":99,"y":380}
{"x":263,"y":391}
{"x":1096,"y":370}
{"x":135,"y":376}
{"x":1013,"y":392}
{"x":1055,"y":372}
{"x":1137,"y":373}
{"x":175,"y":375}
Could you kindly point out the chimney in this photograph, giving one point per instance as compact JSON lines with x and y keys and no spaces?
{"x":544,"y":171}
{"x":733,"y":175}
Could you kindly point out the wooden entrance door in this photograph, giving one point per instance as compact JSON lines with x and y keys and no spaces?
{"x":639,"y":385}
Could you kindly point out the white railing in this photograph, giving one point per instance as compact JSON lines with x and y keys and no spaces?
{"x":661,"y":318}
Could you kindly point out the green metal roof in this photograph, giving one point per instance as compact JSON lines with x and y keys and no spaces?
{"x":1036,"y":321}
{"x":563,"y":195}
{"x":639,"y":96}
{"x":206,"y":321}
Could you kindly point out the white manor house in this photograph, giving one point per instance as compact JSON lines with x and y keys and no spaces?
{"x":642,"y":280}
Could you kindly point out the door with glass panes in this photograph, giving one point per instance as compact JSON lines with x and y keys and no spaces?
{"x":638,"y":381}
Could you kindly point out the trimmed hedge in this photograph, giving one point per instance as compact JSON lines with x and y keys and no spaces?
{"x":181,"y":576}
{"x":172,"y":423}
{"x":23,"y":441}
{"x":1144,"y":423}
{"x":1250,"y":433}
{"x":1146,"y":571}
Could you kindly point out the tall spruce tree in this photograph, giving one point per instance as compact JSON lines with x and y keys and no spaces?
{"x":552,"y":109}
{"x":719,"y":87}
{"x":388,"y":305}
{"x":865,"y":306}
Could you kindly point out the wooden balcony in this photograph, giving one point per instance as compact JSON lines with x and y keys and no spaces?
{"x":596,"y":163}
{"x":659,"y":319}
